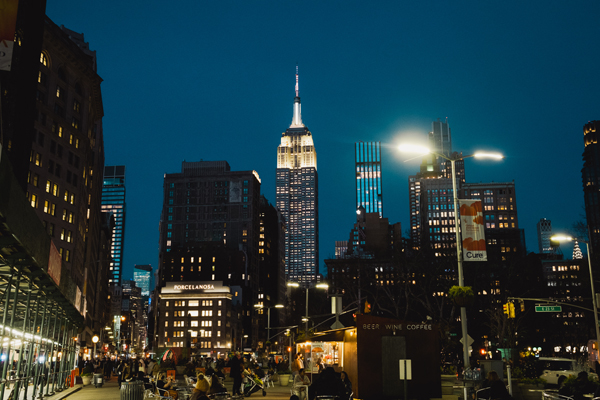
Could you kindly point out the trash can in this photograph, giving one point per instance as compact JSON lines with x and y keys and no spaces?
{"x":132,"y":390}
{"x":98,"y":380}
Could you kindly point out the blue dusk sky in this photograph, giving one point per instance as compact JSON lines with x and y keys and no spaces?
{"x":214,"y":80}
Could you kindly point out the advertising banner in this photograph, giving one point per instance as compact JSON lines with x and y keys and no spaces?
{"x":471,"y":226}
{"x":8,"y":22}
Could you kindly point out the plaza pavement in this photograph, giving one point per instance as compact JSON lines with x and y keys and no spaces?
{"x":110,"y":391}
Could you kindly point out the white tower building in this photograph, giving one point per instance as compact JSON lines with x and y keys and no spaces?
{"x":297,"y":198}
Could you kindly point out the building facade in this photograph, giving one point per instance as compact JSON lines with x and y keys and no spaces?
{"x":209,"y":231}
{"x":142,"y":275}
{"x":590,"y":174}
{"x":369,"y":192}
{"x":199,"y":314}
{"x":544,"y":233}
{"x":113,"y":201}
{"x":297,"y":198}
{"x":66,"y":165}
{"x":53,"y":246}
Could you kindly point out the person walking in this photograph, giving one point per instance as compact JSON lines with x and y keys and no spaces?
{"x":297,"y":365}
{"x":236,"y":373}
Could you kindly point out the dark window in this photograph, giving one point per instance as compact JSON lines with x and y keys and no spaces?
{"x":62,"y":75}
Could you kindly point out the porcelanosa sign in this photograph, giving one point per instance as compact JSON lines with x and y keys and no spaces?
{"x":202,"y":287}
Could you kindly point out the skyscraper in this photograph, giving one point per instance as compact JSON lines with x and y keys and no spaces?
{"x":367,"y":156}
{"x":297,"y":197}
{"x":590,"y":174}
{"x":209,"y":232}
{"x":113,"y":200}
{"x":142,"y":275}
{"x":544,"y":232}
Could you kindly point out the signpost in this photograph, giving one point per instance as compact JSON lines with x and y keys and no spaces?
{"x":548,"y":308}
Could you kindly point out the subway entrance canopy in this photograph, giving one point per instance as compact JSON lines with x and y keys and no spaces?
{"x":38,"y":322}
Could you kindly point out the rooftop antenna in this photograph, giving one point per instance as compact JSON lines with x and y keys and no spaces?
{"x":297,"y":90}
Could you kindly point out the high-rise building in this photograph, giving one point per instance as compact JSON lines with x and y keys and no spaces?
{"x":297,"y":198}
{"x":113,"y":201}
{"x":66,"y":163}
{"x":591,"y":182}
{"x":142,"y":275}
{"x":209,"y":232}
{"x":433,"y":177}
{"x":367,"y":158}
{"x":504,"y":239}
{"x":440,"y":139}
{"x":544,"y":232}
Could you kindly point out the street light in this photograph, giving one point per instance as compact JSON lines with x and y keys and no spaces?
{"x":422,"y":150}
{"x":563,"y":238}
{"x":268,"y":316}
{"x":95,"y":340}
{"x":305,"y":319}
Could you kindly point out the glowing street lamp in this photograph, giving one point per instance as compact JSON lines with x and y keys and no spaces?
{"x":321,"y":285}
{"x":422,"y":150}
{"x":95,"y":340}
{"x":564,"y":238}
{"x":268,"y":316}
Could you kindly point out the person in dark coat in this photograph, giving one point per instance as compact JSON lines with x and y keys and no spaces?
{"x":496,"y":389}
{"x":326,"y":384}
{"x":236,"y":373}
{"x":347,"y":386}
{"x":579,"y":388}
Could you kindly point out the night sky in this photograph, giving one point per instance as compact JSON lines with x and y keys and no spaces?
{"x":214,"y":80}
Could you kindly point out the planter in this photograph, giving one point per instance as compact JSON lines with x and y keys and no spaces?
{"x":87,"y":379}
{"x":284,"y":380}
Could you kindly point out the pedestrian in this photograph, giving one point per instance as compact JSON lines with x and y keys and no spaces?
{"x":347,"y":386}
{"x":297,"y":365}
{"x":236,"y":372}
{"x":107,"y":369}
{"x":327,"y":384}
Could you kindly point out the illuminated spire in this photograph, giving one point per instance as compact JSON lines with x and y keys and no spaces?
{"x":297,"y":90}
{"x":297,"y":119}
{"x":577,"y":255}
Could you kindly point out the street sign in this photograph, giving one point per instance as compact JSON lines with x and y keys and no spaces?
{"x":548,"y":308}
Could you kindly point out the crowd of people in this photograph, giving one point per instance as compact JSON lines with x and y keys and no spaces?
{"x":210,"y":381}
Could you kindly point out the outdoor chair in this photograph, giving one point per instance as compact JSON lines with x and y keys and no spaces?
{"x":164,"y":394}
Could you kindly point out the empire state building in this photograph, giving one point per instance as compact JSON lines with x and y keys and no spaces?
{"x":297,"y":198}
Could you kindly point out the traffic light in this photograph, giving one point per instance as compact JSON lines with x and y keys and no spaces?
{"x":505,"y":308}
{"x":367,"y":307}
{"x":511,"y":309}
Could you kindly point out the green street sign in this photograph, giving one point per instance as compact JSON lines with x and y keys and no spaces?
{"x":548,"y":308}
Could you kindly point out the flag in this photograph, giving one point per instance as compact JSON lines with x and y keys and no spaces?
{"x":472,"y":230}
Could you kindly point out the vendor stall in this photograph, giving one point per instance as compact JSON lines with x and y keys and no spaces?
{"x":371,"y":353}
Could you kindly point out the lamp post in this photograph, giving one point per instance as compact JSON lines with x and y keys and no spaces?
{"x":95,"y":340}
{"x":563,"y":238}
{"x":461,"y":281}
{"x":268,"y":316}
{"x":305,"y":319}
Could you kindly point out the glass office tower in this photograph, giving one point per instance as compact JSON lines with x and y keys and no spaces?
{"x":113,"y":200}
{"x":368,"y":177}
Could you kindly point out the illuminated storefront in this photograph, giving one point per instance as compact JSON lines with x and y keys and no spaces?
{"x":197,"y":314}
{"x":371,"y":352}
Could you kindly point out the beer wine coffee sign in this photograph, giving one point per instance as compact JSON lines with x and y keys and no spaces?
{"x":471,"y":226}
